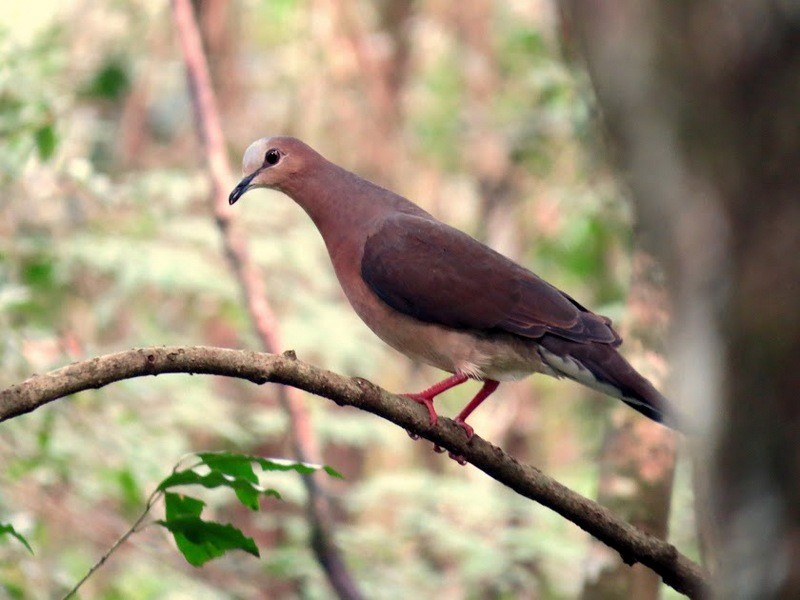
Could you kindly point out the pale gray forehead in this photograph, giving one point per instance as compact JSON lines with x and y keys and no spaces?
{"x":254,"y":156}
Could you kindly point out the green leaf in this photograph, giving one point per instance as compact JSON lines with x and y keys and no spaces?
{"x":46,"y":141}
{"x":281,"y":464}
{"x":177,"y":506}
{"x":240,"y":467}
{"x":267,"y":464}
{"x":39,"y":271}
{"x":6,"y":528}
{"x":129,"y":488}
{"x":111,"y":81}
{"x":199,"y":541}
{"x":247,"y":491}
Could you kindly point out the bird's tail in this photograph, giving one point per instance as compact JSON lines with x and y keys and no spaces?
{"x":601,"y":367}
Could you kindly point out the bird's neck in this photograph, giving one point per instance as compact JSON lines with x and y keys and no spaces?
{"x":339,"y":201}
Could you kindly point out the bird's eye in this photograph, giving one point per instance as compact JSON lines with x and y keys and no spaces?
{"x":272,"y":156}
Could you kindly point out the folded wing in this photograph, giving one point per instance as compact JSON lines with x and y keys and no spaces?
{"x":435,"y":273}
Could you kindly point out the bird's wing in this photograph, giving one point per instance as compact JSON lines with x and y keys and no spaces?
{"x":435,"y":273}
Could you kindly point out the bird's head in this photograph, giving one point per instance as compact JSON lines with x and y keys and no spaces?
{"x":269,"y":162}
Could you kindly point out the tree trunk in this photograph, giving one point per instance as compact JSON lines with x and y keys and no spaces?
{"x":702,"y":98}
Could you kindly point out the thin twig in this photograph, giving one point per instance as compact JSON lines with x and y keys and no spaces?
{"x":253,"y":291}
{"x":633,"y":545}
{"x":154,"y":497}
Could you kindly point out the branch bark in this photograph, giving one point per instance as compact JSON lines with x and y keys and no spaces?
{"x":633,"y":545}
{"x":253,"y":291}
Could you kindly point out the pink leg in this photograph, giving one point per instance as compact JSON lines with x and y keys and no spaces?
{"x":426,"y":396}
{"x":489,"y":386}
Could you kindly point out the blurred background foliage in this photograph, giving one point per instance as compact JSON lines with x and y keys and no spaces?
{"x":107,"y":242}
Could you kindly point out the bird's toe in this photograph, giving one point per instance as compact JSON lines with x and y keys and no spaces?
{"x":459,"y":459}
{"x":466,"y":427}
{"x":427,"y":403}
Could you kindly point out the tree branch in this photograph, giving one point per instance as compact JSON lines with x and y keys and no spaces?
{"x":633,"y":545}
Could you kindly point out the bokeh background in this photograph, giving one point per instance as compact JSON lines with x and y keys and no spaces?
{"x":477,"y":111}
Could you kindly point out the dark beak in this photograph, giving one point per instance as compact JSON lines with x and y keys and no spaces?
{"x":241,"y":189}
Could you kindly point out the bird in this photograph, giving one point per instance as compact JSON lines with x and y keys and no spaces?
{"x":441,"y":297}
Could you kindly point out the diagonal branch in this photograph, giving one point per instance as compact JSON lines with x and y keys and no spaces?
{"x":253,"y":291}
{"x":633,"y":545}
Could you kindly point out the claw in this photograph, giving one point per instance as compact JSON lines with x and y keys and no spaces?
{"x":412,"y":435}
{"x":459,"y":459}
{"x":438,"y":449}
{"x":428,"y":403}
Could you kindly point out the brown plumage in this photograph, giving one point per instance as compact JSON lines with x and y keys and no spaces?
{"x":440,"y":296}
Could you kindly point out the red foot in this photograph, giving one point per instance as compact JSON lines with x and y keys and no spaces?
{"x":489,"y":386}
{"x":467,"y":428}
{"x":428,"y":403}
{"x":459,"y":459}
{"x":426,"y":396}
